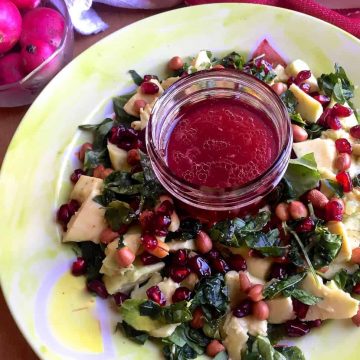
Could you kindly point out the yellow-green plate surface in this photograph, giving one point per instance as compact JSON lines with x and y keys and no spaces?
{"x":51,"y":307}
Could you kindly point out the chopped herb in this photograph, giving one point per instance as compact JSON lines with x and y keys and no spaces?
{"x":93,"y":254}
{"x":356,"y":181}
{"x":137,"y":336}
{"x":314,"y":130}
{"x":122,"y":116}
{"x":347,"y":281}
{"x":302,"y":174}
{"x":303,"y":296}
{"x":118,"y":213}
{"x":290,"y":102}
{"x":291,"y":353}
{"x":278,"y":286}
{"x":275,"y":333}
{"x":233,"y":60}
{"x":335,"y":187}
{"x":100,"y":132}
{"x":137,"y":79}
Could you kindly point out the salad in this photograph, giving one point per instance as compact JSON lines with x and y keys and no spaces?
{"x":238,"y":288}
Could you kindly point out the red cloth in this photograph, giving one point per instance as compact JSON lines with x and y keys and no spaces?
{"x":347,"y":19}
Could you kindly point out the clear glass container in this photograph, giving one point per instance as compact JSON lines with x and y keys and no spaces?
{"x":25,"y":91}
{"x":197,"y":87}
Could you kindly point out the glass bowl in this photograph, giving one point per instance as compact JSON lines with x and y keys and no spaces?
{"x":27,"y":89}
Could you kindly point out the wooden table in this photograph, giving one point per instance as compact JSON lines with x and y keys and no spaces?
{"x":12,"y":344}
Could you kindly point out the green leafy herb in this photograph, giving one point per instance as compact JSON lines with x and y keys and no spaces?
{"x":233,"y":60}
{"x":335,"y":187}
{"x":297,"y":119}
{"x":260,"y":69}
{"x":302,"y":174}
{"x":276,"y":332}
{"x":93,"y":254}
{"x":302,"y":295}
{"x":100,"y":132}
{"x":211,"y":294}
{"x":289,"y":100}
{"x":346,"y":281}
{"x":337,"y":85}
{"x":314,"y":130}
{"x":137,"y":336}
{"x":118,"y":213}
{"x":149,"y":308}
{"x":291,"y":353}
{"x":278,"y":286}
{"x":121,"y":115}
{"x":94,"y":158}
{"x":175,"y":352}
{"x":121,"y":182}
{"x":260,"y":348}
{"x":212,"y":328}
{"x":356,"y":181}
{"x":137,"y":79}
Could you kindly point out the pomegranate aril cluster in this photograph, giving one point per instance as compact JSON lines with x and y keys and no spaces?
{"x":97,"y":287}
{"x":124,"y":138}
{"x":75,"y":176}
{"x":155,"y":294}
{"x":66,"y":211}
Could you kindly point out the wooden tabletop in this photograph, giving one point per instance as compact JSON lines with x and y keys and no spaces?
{"x":12,"y":344}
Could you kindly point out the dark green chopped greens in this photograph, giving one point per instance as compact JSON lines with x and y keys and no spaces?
{"x":277,"y":286}
{"x":248,"y":232}
{"x":260,"y":348}
{"x":346,"y":281}
{"x":289,"y":100}
{"x":257,"y":68}
{"x":137,"y":336}
{"x":302,"y":295}
{"x":137,"y":79}
{"x":121,"y":115}
{"x":94,"y":255}
{"x":356,"y":181}
{"x":314,"y":130}
{"x":233,"y":60}
{"x":275,"y":333}
{"x":188,"y":230}
{"x":211,"y":294}
{"x":118,"y":213}
{"x":302,"y":174}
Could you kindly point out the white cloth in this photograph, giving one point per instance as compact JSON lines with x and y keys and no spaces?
{"x":86,"y":21}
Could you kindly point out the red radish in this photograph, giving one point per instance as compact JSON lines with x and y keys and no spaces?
{"x":10,"y":25}
{"x":26,"y":4}
{"x":43,"y":24}
{"x":11,"y":69}
{"x":271,"y":55}
{"x":35,"y":53}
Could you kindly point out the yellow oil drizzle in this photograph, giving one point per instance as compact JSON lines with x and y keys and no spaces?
{"x":71,"y":316}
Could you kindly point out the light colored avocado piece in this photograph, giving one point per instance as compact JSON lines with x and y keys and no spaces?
{"x":118,"y":158}
{"x":139,"y":95}
{"x":164,"y":331}
{"x":324,"y":152}
{"x":168,"y":287}
{"x":299,"y":65}
{"x":336,"y":303}
{"x":175,"y":245}
{"x":139,"y":292}
{"x":130,"y":313}
{"x":280,"y":310}
{"x":87,"y":223}
{"x":309,"y":108}
{"x":86,"y":186}
{"x":235,"y":332}
{"x":130,"y":277}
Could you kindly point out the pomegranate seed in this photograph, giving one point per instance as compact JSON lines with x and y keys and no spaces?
{"x":161,"y":221}
{"x":334,"y":211}
{"x":219,"y":265}
{"x":149,"y":242}
{"x":78,"y":267}
{"x":97,"y":287}
{"x":124,"y":138}
{"x":66,"y":211}
{"x":182,"y":293}
{"x":243,"y":309}
{"x":300,"y":308}
{"x":73,"y":206}
{"x":341,"y":110}
{"x":344,"y":179}
{"x":296,"y":328}
{"x":302,"y":76}
{"x":119,"y":298}
{"x":322,"y":99}
{"x":305,"y":225}
{"x":278,"y":271}
{"x":75,"y":176}
{"x":180,"y":257}
{"x":290,"y":81}
{"x":213,"y":254}
{"x":150,"y":77}
{"x":155,"y":294}
{"x":165,"y":208}
{"x":355,"y":131}
{"x":150,"y":88}
{"x":314,"y":323}
{"x":356,"y":289}
{"x":237,"y":262}
{"x":146,"y":218}
{"x":343,"y":146}
{"x":323,"y":118}
{"x":333,"y":122}
{"x":148,"y":259}
{"x":305,"y":87}
{"x":179,"y":273}
{"x":199,"y":266}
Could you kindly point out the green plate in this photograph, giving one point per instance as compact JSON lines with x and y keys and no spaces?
{"x":58,"y":318}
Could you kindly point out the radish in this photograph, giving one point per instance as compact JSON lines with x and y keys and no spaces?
{"x":26,"y":4}
{"x":43,"y":24}
{"x":35,"y":53}
{"x":10,"y":25}
{"x":11,"y":68}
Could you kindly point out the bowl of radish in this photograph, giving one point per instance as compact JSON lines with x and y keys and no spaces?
{"x":36,"y":42}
